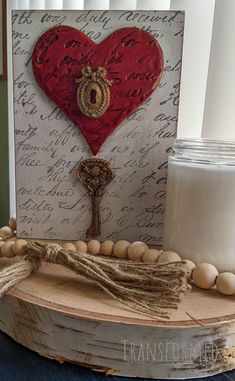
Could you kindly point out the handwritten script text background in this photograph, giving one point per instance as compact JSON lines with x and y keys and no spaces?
{"x":51,"y":203}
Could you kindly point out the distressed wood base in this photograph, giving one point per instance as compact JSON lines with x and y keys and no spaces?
{"x":66,"y":318}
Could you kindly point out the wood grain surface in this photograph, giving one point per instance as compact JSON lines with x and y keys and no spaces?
{"x":67,"y":318}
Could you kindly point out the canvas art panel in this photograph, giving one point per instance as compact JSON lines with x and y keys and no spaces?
{"x":51,"y":202}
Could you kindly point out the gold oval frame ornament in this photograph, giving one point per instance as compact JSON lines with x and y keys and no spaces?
{"x":93,"y":95}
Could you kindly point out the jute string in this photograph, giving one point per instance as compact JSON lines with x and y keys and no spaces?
{"x":146,"y":288}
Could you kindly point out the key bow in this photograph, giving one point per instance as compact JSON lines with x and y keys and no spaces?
{"x":95,"y":174}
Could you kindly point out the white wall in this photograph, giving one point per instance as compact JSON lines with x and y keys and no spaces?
{"x":196,"y":54}
{"x":219,"y":115}
{"x":153,"y":4}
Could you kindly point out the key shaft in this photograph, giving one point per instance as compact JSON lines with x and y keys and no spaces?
{"x":95,"y":174}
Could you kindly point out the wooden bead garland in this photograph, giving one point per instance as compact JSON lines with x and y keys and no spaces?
{"x":205,"y":275}
{"x":136,"y":251}
{"x":107,"y":248}
{"x":190,"y":266}
{"x":93,"y":247}
{"x":81,"y":246}
{"x":151,"y":255}
{"x":6,"y":231}
{"x":169,"y":256}
{"x":225,"y":283}
{"x":18,"y":247}
{"x":7,"y":250}
{"x":121,"y":249}
{"x":69,"y":246}
{"x":12,"y":222}
{"x":2,"y":243}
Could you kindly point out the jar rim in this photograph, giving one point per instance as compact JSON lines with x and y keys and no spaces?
{"x":204,"y":151}
{"x":204,"y":144}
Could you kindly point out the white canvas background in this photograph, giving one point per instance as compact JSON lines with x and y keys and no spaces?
{"x":50,"y":202}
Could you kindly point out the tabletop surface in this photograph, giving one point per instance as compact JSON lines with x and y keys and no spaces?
{"x":18,"y":363}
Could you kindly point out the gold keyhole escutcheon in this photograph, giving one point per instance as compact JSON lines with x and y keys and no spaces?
{"x":93,"y":94}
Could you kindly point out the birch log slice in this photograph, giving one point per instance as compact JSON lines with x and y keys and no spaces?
{"x":67,"y":318}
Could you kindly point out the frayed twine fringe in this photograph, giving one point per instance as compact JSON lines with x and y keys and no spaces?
{"x":150,"y":289}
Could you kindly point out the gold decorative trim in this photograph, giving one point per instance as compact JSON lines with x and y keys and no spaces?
{"x":93,"y":95}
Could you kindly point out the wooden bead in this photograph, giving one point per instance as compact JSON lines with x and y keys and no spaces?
{"x":225,"y":283}
{"x":69,"y":246}
{"x":151,"y":255}
{"x":81,"y":246}
{"x":5,"y":231}
{"x":107,"y":248}
{"x":168,"y":257}
{"x":2,"y":243}
{"x":204,"y":275}
{"x":93,"y":247}
{"x":136,"y":251}
{"x":12,"y":222}
{"x":189,"y":265}
{"x":7,"y":249}
{"x":18,"y":247}
{"x":121,"y":248}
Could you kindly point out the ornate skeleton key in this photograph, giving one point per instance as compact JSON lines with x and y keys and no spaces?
{"x":95,"y":174}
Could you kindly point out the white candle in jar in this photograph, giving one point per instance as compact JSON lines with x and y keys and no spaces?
{"x":200,"y":205}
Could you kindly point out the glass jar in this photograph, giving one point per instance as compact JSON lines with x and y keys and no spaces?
{"x":200,"y":203}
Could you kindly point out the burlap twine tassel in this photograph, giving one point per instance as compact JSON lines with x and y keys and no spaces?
{"x":146,"y":288}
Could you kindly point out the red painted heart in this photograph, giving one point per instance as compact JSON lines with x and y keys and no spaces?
{"x":132,"y":58}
